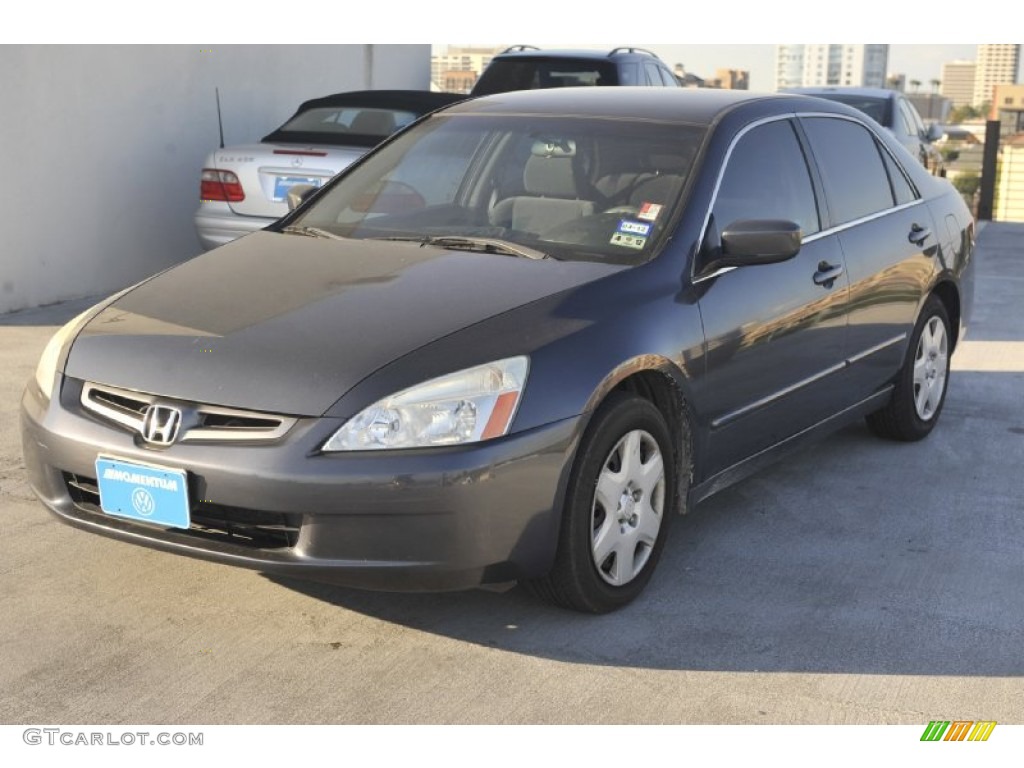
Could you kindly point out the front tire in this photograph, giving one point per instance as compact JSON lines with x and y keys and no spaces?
{"x":620,"y":500}
{"x":922,"y":382}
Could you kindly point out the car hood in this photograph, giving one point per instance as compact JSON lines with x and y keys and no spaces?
{"x":288,"y":324}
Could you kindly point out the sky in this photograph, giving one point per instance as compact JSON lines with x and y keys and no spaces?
{"x":917,"y":61}
{"x":705,"y":36}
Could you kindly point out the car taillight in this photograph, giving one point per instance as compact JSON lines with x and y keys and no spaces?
{"x":220,"y":185}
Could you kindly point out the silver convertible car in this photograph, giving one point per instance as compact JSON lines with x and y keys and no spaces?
{"x":243,"y":188}
{"x":513,"y":342}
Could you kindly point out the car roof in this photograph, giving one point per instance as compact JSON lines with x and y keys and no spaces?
{"x":850,"y":90}
{"x":417,"y":102}
{"x":700,"y":106}
{"x":570,"y":53}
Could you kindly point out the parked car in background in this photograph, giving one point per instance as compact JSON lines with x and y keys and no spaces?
{"x":524,"y":67}
{"x":244,"y":188}
{"x":513,"y":342}
{"x":894,"y":111}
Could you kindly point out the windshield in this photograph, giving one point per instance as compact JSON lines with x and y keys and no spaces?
{"x":569,"y":188}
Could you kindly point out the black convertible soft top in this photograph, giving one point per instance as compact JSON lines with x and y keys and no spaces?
{"x":420,"y":102}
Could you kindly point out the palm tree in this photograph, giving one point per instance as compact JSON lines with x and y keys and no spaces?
{"x":915,"y":84}
{"x":935,"y":85}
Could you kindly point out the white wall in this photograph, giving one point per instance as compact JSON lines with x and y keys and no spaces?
{"x":101,"y":147}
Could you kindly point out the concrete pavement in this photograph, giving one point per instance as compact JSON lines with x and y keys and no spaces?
{"x":858,"y":582}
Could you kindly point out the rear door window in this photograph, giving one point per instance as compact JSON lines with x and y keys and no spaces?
{"x":852,"y":169}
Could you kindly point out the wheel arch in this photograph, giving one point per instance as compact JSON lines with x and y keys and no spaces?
{"x":660,"y":381}
{"x":946,"y":291}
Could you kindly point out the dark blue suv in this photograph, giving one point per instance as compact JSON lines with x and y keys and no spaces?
{"x":523,"y":68}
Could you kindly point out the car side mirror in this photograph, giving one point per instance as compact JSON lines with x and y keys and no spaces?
{"x":749,"y":242}
{"x":934,"y":132}
{"x":298,"y":194}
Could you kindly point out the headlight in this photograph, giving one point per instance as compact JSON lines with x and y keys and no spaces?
{"x":464,"y":407}
{"x":46,"y":371}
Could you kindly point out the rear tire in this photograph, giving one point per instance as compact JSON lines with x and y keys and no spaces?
{"x":922,"y":382}
{"x":621,"y":497}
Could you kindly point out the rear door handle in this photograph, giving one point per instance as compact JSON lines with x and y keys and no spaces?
{"x":827,"y":274}
{"x":919,"y":234}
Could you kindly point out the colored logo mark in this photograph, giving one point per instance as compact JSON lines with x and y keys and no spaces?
{"x":958,"y":730}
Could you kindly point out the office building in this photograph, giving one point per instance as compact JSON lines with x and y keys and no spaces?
{"x":451,"y":67}
{"x":830,"y":64}
{"x":996,"y":65}
{"x":958,"y":82}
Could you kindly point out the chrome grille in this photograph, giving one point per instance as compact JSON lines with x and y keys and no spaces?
{"x":207,"y":423}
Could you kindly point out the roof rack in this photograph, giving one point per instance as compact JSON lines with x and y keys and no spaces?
{"x":631,"y":49}
{"x":514,"y":48}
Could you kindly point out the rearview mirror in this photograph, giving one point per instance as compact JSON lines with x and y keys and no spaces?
{"x":934,"y":132}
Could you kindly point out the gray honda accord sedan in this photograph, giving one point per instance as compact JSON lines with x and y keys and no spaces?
{"x":513,"y":342}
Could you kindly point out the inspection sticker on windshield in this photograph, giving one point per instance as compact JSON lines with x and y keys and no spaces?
{"x":628,"y":227}
{"x":649,"y":211}
{"x":628,"y":241}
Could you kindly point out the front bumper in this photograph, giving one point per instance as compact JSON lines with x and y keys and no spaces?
{"x":422,"y":520}
{"x":217,"y":225}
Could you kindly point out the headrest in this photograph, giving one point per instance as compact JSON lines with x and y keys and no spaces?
{"x":553,"y":147}
{"x":373,"y":122}
{"x":550,"y":176}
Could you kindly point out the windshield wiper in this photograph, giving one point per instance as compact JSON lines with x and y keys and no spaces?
{"x":311,"y":232}
{"x":476,"y":244}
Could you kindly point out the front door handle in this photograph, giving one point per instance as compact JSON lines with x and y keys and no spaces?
{"x":919,"y":234}
{"x":827,"y":274}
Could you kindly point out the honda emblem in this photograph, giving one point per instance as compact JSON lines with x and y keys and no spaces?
{"x":160,"y":426}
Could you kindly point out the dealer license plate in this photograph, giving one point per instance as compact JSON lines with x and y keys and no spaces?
{"x":146,"y":492}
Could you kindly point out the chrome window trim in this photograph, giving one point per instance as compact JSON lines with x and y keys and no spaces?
{"x":862,"y":220}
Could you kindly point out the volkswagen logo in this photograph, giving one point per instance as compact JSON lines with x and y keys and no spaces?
{"x":142,"y":501}
{"x":160,"y":425}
